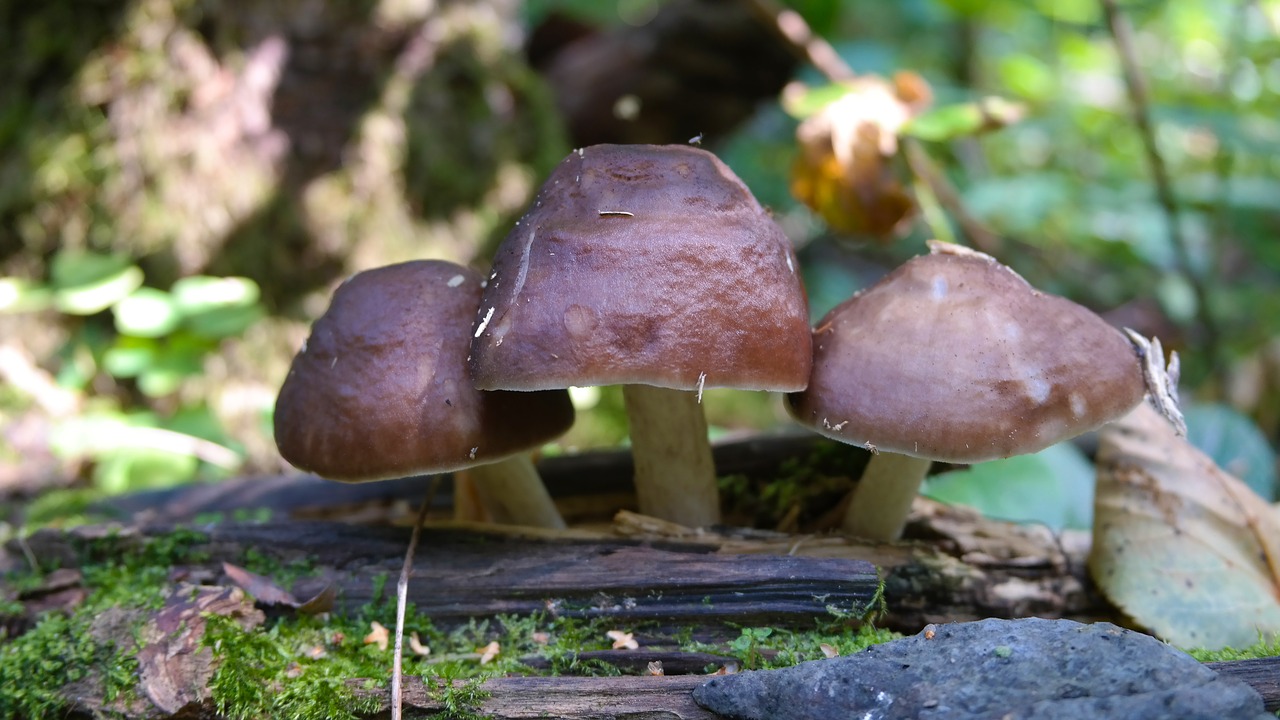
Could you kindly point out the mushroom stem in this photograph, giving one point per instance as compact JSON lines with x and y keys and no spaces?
{"x":882,"y":499}
{"x":675,"y":474}
{"x":513,"y":493}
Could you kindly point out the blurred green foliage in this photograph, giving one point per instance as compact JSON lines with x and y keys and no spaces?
{"x":142,"y":434}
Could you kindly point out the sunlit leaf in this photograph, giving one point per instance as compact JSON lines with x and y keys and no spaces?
{"x":1179,"y":545}
{"x":129,"y":357}
{"x":18,"y":295}
{"x":146,"y":312}
{"x":844,"y":170}
{"x":956,"y":121}
{"x":201,"y":293}
{"x":1053,"y":487}
{"x":94,"y":296}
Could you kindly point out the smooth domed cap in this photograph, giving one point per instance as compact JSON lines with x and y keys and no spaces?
{"x":642,"y":264}
{"x":954,"y":357}
{"x":381,"y":390}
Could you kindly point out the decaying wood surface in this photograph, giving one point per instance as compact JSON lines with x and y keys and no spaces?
{"x":464,"y":574}
{"x":577,"y":698}
{"x":1262,"y":675}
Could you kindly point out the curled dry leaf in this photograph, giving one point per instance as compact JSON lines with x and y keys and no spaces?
{"x":489,"y":652}
{"x":267,"y":592}
{"x":622,"y":640}
{"x":655,"y":668}
{"x":1179,"y":544}
{"x":417,"y":647}
{"x":379,"y":635}
{"x":845,"y":170}
{"x":829,"y":650}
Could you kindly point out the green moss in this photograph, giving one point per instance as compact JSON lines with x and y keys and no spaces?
{"x":1262,"y":649}
{"x":304,"y":667}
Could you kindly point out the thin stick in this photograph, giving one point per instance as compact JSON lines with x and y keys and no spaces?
{"x":402,"y":598}
{"x":803,"y":41}
{"x":1122,"y":34}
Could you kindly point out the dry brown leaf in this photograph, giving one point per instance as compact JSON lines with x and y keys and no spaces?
{"x":845,"y":170}
{"x":489,"y":652}
{"x":622,"y":640}
{"x":174,"y":665}
{"x":1179,"y":544}
{"x":379,"y":635}
{"x":266,"y":592}
{"x":655,"y":668}
{"x":829,"y":650}
{"x":417,"y":647}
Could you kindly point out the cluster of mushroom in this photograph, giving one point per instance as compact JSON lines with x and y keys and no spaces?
{"x":654,"y":268}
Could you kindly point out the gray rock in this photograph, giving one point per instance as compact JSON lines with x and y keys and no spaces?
{"x":1031,"y":668}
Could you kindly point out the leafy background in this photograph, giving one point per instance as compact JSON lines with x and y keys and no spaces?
{"x":163,"y":252}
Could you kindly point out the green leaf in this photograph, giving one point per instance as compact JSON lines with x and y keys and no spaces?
{"x":18,"y":295}
{"x":224,"y":322}
{"x":1236,"y":444}
{"x":810,"y":101}
{"x":129,"y":357}
{"x":147,"y":313}
{"x":1053,"y":487}
{"x":951,"y":122}
{"x":201,"y":293}
{"x":134,"y":469}
{"x":93,"y":297}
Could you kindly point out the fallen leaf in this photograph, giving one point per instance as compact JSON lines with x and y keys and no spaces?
{"x":489,"y":652}
{"x":417,"y":647}
{"x":829,"y":650}
{"x":655,"y":668}
{"x":266,"y":592}
{"x":379,"y":635}
{"x":174,"y":665}
{"x":1179,"y":544}
{"x":622,"y":640}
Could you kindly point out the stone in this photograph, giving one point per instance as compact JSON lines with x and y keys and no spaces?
{"x":1027,"y":668}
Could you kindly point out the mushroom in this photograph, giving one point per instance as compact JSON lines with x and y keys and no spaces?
{"x":652,"y":267}
{"x":380,"y":390}
{"x":954,"y":357}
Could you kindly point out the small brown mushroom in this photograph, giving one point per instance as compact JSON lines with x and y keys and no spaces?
{"x":381,"y":390}
{"x":655,"y":268}
{"x":954,"y":357}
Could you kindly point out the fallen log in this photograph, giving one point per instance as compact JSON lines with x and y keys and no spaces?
{"x":469,"y":573}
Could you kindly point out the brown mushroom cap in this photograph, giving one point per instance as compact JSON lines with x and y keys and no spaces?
{"x":381,"y":390}
{"x":954,"y":357}
{"x":642,"y":264}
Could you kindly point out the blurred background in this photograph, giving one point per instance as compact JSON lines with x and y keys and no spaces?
{"x":184,"y":182}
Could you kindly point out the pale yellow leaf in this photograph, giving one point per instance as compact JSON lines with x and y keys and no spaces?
{"x":1179,"y":544}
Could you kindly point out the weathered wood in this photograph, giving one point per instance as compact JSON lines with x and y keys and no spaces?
{"x":576,"y":698}
{"x":469,"y":574}
{"x":578,"y":482}
{"x":1262,"y":674}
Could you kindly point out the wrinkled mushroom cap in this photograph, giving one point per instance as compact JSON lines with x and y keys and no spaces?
{"x":954,"y":357}
{"x":381,"y":390}
{"x":642,"y":264}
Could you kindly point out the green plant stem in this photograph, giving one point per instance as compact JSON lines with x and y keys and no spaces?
{"x":1122,"y":35}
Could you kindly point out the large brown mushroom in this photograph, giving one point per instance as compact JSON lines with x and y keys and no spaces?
{"x":652,"y":267}
{"x":954,"y":357}
{"x":381,"y":390}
